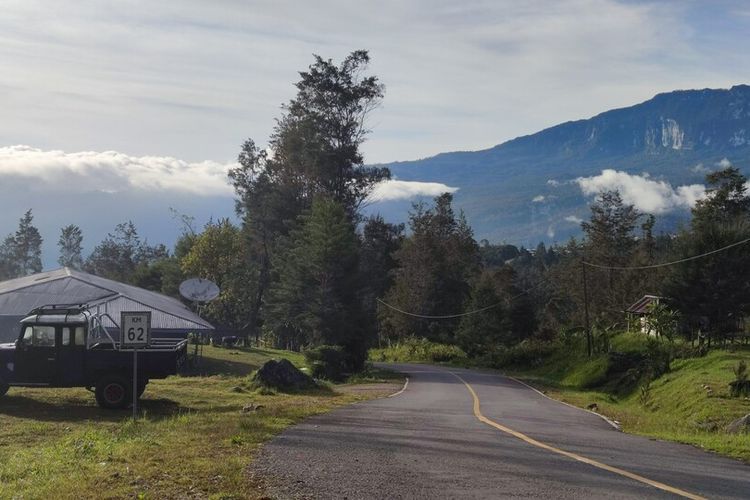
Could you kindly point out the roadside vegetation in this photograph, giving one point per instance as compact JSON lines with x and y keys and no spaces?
{"x":651,"y":387}
{"x":195,"y":438}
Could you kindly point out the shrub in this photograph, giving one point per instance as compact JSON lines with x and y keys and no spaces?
{"x":418,"y":351}
{"x":686,"y":351}
{"x":529,"y":353}
{"x":327,"y":362}
{"x":495,"y":357}
{"x":741,"y":385}
{"x":644,"y":396}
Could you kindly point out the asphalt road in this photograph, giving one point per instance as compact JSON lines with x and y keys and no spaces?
{"x":428,"y":442}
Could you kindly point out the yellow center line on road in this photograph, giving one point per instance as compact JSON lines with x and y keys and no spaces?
{"x":574,"y":456}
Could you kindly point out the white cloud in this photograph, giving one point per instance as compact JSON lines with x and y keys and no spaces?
{"x":111,"y":172}
{"x":550,"y":232}
{"x":538,"y":199}
{"x":404,"y":190}
{"x":573,"y":219}
{"x":644,"y":193}
{"x":724,"y":163}
{"x":700,"y":169}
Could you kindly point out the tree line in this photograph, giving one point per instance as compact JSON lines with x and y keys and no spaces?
{"x":306,"y":267}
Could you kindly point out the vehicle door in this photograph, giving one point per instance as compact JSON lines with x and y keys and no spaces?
{"x":71,"y":356}
{"x":36,"y":355}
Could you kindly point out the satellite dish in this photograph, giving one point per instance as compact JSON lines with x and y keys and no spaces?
{"x":199,"y":290}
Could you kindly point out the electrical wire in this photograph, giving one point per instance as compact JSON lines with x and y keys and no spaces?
{"x":446,"y":316}
{"x":665,"y":264}
{"x":590,"y":264}
{"x":468,"y":313}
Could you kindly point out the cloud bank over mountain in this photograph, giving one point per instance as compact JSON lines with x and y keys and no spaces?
{"x":97,"y":190}
{"x":646,"y":194}
{"x":113,"y":172}
{"x":404,"y":190}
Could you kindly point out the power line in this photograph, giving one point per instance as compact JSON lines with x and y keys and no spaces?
{"x":447,"y":316}
{"x":590,"y":264}
{"x":665,"y":264}
{"x":468,"y":313}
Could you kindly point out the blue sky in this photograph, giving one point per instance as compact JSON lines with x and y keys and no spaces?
{"x":151,"y":100}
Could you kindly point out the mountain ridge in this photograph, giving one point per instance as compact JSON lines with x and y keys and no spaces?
{"x":675,"y":137}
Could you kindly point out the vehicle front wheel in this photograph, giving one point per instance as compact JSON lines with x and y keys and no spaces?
{"x":3,"y":387}
{"x":113,"y":392}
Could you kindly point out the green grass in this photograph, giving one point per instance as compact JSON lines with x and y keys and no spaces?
{"x":413,"y":350}
{"x":678,"y":406}
{"x":193,"y":439}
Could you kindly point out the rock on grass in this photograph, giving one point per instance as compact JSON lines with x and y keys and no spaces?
{"x":282,"y":375}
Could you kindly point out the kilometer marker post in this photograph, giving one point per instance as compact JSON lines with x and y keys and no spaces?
{"x":135,"y":332}
{"x":135,"y":383}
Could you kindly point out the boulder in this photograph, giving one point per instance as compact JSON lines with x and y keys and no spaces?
{"x":740,"y":425}
{"x":282,"y":375}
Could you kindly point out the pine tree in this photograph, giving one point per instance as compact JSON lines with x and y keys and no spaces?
{"x":71,"y":238}
{"x":317,"y":292}
{"x":21,"y":252}
{"x":316,"y":152}
{"x":482,"y":331}
{"x":436,"y":265}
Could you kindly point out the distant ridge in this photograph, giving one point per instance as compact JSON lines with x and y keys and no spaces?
{"x":667,"y":136}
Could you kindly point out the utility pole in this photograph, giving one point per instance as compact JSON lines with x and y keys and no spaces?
{"x":586,"y":308}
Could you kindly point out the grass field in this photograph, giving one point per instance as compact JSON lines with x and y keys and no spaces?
{"x":193,"y":440}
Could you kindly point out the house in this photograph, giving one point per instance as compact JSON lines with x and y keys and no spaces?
{"x":639,"y":311}
{"x":169,"y":317}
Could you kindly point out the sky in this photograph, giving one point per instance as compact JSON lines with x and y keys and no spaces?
{"x":153,"y":99}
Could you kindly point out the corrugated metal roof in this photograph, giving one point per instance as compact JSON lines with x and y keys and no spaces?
{"x":642,"y":305}
{"x":66,"y":286}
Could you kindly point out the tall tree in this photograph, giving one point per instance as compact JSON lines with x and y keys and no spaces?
{"x":21,"y":252}
{"x":219,"y":254}
{"x":119,"y":255}
{"x":70,"y":244}
{"x":489,"y":327}
{"x":611,"y":241}
{"x":715,"y":287}
{"x":726,"y":199}
{"x":436,"y":265}
{"x":609,"y":232}
{"x":317,"y":293}
{"x":314,"y":151}
{"x":380,"y":241}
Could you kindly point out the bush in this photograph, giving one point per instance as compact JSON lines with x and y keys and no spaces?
{"x":529,"y":353}
{"x":687,"y":351}
{"x":741,"y":385}
{"x":418,"y":351}
{"x":327,"y":362}
{"x":496,"y":357}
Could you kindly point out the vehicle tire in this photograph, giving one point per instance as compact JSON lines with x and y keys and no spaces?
{"x":141,"y":388}
{"x":113,"y":392}
{"x":3,"y":387}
